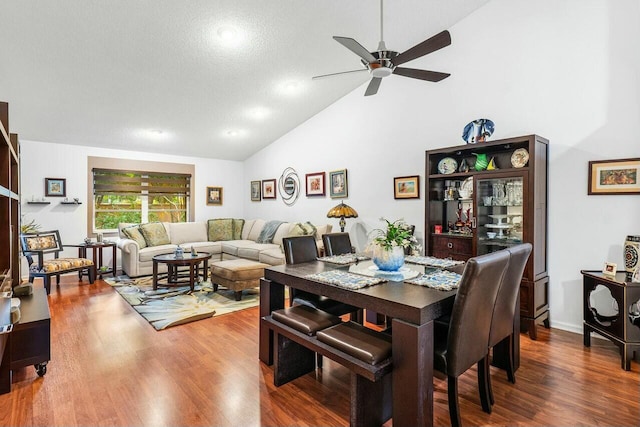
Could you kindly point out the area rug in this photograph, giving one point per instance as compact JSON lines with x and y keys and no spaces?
{"x":171,"y":306}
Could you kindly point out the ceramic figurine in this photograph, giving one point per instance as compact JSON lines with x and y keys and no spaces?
{"x":481,"y":162}
{"x":492,"y":164}
{"x":464,"y":166}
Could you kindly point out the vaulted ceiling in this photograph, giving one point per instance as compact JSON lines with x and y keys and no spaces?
{"x":207,"y":78}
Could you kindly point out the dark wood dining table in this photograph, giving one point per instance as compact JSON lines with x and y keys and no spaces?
{"x":412,"y":308}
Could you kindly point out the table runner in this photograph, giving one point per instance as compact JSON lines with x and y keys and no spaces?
{"x":438,"y":279}
{"x":344,"y":279}
{"x":431,"y":261}
{"x":343,"y":259}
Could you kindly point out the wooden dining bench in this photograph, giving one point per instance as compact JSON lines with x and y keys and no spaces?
{"x":365,"y":352}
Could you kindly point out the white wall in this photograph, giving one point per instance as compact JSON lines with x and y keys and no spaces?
{"x":567,"y":70}
{"x":40,"y":160}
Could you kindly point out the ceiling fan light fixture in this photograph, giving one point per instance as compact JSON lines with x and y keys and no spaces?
{"x":381,"y":71}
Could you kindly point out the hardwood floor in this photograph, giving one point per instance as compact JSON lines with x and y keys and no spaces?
{"x":109,"y":367}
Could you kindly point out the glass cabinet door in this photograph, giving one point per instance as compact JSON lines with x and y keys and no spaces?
{"x":500,"y":220}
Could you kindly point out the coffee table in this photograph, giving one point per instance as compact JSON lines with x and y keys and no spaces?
{"x":173,"y":262}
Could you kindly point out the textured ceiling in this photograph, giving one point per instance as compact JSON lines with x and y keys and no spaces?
{"x":156,"y":75}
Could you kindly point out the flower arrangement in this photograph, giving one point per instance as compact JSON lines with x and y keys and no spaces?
{"x":398,"y":233}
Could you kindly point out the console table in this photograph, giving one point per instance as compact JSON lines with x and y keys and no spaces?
{"x":619,"y":317}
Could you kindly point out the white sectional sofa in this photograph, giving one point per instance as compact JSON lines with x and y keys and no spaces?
{"x":137,"y":260}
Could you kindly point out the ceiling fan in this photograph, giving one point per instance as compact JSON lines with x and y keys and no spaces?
{"x":383,"y":62}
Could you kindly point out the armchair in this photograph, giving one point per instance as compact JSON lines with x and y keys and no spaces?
{"x":36,"y":245}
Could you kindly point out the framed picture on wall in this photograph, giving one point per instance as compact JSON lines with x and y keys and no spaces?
{"x":214,"y":196}
{"x":256,"y":194}
{"x":315,"y":184}
{"x":268,"y":188}
{"x":55,"y":187}
{"x":338,"y":186}
{"x":620,"y":176}
{"x":406,"y":187}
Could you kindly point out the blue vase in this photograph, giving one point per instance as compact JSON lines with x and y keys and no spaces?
{"x":388,"y":259}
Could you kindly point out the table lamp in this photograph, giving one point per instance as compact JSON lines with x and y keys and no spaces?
{"x":342,"y":211}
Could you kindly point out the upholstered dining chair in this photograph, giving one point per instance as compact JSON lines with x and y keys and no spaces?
{"x":505,"y":310}
{"x":336,"y":244}
{"x":465,"y":342}
{"x":301,"y":249}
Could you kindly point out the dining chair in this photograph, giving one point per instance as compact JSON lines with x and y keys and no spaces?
{"x":505,"y":310}
{"x":301,"y":249}
{"x":336,"y":244}
{"x":465,"y":341}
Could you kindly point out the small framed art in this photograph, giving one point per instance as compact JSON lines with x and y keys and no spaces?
{"x":406,"y":187}
{"x":268,"y":188}
{"x":256,"y":194}
{"x":338,"y":186}
{"x":55,"y":187}
{"x":609,"y":269}
{"x":315,"y":184}
{"x":614,"y":176}
{"x":214,"y":196}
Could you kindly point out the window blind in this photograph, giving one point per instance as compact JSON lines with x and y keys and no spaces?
{"x":110,"y":181}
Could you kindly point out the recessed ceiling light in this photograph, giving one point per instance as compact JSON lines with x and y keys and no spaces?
{"x":229,"y":35}
{"x":291,"y":87}
{"x":232,"y":133}
{"x":153,"y":134}
{"x":258,"y":113}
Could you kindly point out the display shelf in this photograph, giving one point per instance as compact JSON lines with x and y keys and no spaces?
{"x":9,"y":197}
{"x":38,"y":203}
{"x":70,"y":203}
{"x":512,"y":192}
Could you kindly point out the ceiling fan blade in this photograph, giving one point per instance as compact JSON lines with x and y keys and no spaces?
{"x":432,"y":44}
{"x":372,"y":89}
{"x":432,"y":76}
{"x":337,"y":74}
{"x":356,"y":48}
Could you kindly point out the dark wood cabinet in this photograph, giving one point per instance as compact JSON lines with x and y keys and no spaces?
{"x":471,"y":212}
{"x":611,"y":308}
{"x":459,"y":248}
{"x":31,"y":336}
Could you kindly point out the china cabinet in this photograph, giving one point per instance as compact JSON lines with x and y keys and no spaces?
{"x":473,"y":208}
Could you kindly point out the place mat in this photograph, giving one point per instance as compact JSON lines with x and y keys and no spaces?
{"x":345,"y":280}
{"x":431,"y":261}
{"x":438,"y":279}
{"x":343,"y":259}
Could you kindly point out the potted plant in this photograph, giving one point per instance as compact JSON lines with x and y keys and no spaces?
{"x":388,"y":245}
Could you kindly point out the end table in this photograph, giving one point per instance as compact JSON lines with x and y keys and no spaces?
{"x":97,"y":248}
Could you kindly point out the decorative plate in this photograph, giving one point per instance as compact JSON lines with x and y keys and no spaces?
{"x":466,"y":189}
{"x":447,"y":166}
{"x":519,"y":158}
{"x":478,"y":131}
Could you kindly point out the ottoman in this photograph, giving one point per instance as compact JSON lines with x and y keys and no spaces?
{"x":237,"y":275}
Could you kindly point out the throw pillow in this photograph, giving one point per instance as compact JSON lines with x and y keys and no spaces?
{"x":133,"y":232}
{"x":303,"y":229}
{"x":237,"y":226}
{"x":155,"y":234}
{"x":220,"y":229}
{"x":268,"y":231}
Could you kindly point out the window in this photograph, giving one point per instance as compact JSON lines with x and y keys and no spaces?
{"x":139,"y":197}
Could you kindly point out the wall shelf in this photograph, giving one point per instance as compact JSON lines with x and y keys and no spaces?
{"x":39,"y":203}
{"x":70,"y":203}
